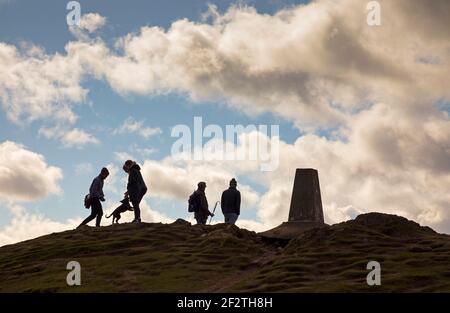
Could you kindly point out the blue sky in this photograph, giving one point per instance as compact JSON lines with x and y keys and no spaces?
{"x":348,"y":97}
{"x":43,"y":23}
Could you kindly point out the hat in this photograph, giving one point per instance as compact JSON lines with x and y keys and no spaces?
{"x":233,"y":182}
{"x":201,"y":184}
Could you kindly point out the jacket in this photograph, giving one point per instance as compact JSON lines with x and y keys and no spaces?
{"x":96,"y":189}
{"x":136,"y":186}
{"x":231,"y":201}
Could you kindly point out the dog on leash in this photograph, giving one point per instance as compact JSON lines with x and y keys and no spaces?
{"x":125,"y":206}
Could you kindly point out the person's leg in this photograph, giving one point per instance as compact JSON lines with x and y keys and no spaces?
{"x":201,"y":219}
{"x":233,"y":218}
{"x":88,"y":219}
{"x":99,"y":214}
{"x":137,"y":210}
{"x":94,"y":209}
{"x":227,"y":218}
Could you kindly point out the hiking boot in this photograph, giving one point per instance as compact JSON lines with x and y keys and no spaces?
{"x":136,"y":221}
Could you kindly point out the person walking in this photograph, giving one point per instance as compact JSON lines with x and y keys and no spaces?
{"x":96,"y":196}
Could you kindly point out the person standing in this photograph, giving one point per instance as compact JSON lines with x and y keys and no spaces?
{"x":136,"y":187}
{"x":201,"y":204}
{"x":96,"y":195}
{"x":231,"y":203}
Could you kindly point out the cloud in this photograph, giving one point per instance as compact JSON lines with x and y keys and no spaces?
{"x":83,"y":169}
{"x":25,"y":226}
{"x":25,"y":175}
{"x":131,"y":126}
{"x":318,"y":65}
{"x":312,"y":64}
{"x":78,"y":138}
{"x":74,"y":138}
{"x":92,"y":22}
{"x":89,"y":23}
{"x":36,"y":86}
{"x":172,"y":179}
{"x":123,"y":156}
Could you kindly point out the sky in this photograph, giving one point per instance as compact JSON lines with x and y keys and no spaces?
{"x":366,"y":105}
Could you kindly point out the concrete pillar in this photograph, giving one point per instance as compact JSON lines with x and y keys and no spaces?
{"x":306,"y":202}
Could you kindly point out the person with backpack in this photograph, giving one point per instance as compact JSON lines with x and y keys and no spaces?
{"x":231,"y":203}
{"x":198,"y":204}
{"x":95,"y":196}
{"x":136,"y":187}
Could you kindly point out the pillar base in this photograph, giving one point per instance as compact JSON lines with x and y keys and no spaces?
{"x":290,"y":230}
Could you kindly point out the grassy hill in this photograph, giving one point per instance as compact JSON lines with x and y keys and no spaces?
{"x":179,"y":257}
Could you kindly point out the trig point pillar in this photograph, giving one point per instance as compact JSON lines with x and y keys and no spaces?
{"x":306,"y":202}
{"x":306,"y":207}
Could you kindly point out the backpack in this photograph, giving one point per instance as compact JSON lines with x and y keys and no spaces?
{"x":193,"y":203}
{"x":87,"y":201}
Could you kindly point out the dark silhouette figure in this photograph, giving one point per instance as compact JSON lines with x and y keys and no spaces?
{"x":96,"y":195}
{"x":231,"y":203}
{"x":116,"y":214}
{"x":201,"y":204}
{"x":136,"y":188}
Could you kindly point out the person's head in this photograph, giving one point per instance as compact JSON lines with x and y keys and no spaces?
{"x":201,"y":185}
{"x":104,"y":173}
{"x":127,"y":165}
{"x":233,"y":183}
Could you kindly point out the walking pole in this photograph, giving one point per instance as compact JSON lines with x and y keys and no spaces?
{"x":215,"y":206}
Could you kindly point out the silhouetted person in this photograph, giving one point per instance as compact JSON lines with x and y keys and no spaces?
{"x":231,"y":203}
{"x":136,"y":188}
{"x":201,"y":211}
{"x":96,"y":195}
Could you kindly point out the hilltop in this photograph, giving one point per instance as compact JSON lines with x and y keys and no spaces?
{"x":179,"y":257}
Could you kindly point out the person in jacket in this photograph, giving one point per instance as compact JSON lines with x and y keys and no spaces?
{"x":96,"y":196}
{"x":136,"y":187}
{"x":202,"y":211}
{"x":231,"y":203}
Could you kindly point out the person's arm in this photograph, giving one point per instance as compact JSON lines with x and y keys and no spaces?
{"x":96,"y":190}
{"x":221,"y":201}
{"x":204,"y":205}
{"x":238,"y":203}
{"x":132,"y":181}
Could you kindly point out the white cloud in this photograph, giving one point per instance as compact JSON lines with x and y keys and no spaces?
{"x":172,"y":179}
{"x":122,"y":156}
{"x":74,"y":138}
{"x":131,"y":126}
{"x":78,"y":138}
{"x":35,"y":86}
{"x":85,"y":168}
{"x":25,"y":175}
{"x":92,"y":22}
{"x":25,"y":226}
{"x":318,"y":65}
{"x":89,"y":24}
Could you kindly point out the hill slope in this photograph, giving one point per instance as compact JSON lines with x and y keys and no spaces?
{"x":179,"y":257}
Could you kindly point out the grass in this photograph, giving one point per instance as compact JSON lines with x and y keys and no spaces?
{"x":179,"y":257}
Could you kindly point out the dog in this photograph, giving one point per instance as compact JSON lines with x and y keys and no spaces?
{"x":125,"y":206}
